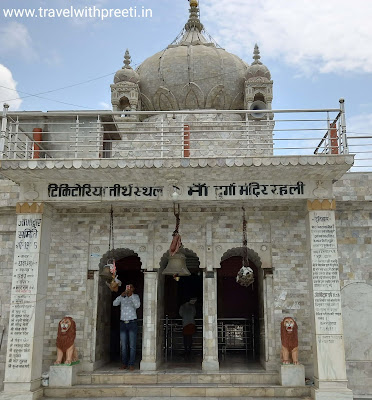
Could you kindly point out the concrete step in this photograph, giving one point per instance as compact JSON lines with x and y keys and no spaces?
{"x":178,"y":390}
{"x":188,"y":398}
{"x":144,"y":378}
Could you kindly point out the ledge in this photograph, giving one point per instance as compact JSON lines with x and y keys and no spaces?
{"x":72,"y":169}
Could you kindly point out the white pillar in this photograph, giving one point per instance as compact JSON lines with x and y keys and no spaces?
{"x":28,"y":298}
{"x":328,"y":341}
{"x":150,"y":338}
{"x":210,"y":339}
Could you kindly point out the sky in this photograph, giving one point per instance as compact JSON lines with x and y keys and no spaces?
{"x":317,"y":51}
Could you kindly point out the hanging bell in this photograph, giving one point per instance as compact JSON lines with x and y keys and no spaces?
{"x":106,"y":274}
{"x":177,"y":266}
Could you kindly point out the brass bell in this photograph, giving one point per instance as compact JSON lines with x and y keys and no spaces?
{"x":106,"y":274}
{"x":177,"y":266}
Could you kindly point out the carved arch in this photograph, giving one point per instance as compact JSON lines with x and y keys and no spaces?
{"x":164,"y":100}
{"x":146,"y":103}
{"x":117,"y":254}
{"x":239,"y":251}
{"x":194,"y":97}
{"x":236,"y":104}
{"x":218,"y":99}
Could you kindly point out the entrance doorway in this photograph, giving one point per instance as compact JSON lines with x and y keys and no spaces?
{"x":129,"y":271}
{"x":177,"y":293}
{"x":237,"y":312}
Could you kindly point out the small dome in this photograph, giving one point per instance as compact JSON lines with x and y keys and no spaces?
{"x":257,"y":69}
{"x":126,"y":73}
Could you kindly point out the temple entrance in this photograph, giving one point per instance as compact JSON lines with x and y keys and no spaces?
{"x":129,"y":271}
{"x":177,"y":293}
{"x":237,"y":311}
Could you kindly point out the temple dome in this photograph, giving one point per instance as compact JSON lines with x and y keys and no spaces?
{"x":192,"y":73}
{"x":257,"y":69}
{"x":126,"y":73}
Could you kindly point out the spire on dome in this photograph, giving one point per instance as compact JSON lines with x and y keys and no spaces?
{"x":127,"y":60}
{"x":256,"y":55}
{"x":194,"y":21}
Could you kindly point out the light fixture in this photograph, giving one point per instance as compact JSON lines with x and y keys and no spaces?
{"x":177,"y":260}
{"x":108,"y":272}
{"x":245,"y":276}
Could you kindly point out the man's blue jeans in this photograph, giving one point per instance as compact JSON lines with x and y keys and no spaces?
{"x":128,"y":340}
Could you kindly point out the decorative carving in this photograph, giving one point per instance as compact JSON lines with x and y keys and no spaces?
{"x":320,"y":191}
{"x":164,"y":100}
{"x":66,"y":350}
{"x":239,"y":251}
{"x":217,"y":98}
{"x":116,"y":254}
{"x":194,"y":98}
{"x":142,"y":248}
{"x":146,"y":103}
{"x":289,"y":336}
{"x":30,"y":208}
{"x":313,"y":205}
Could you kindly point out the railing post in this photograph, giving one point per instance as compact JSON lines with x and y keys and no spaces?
{"x":77,"y":125}
{"x":15,"y":144}
{"x":10,"y":140}
{"x":4,"y":124}
{"x":162,"y":137}
{"x":99,"y":137}
{"x":343,"y":127}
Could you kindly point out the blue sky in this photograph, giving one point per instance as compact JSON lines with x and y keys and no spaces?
{"x":317,"y":51}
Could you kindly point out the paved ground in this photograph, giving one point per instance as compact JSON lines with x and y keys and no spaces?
{"x":194,"y":398}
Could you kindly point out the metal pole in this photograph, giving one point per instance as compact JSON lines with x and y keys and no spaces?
{"x":77,"y":123}
{"x":4,"y":123}
{"x":343,"y":126}
{"x":15,"y":148}
{"x":99,"y":134}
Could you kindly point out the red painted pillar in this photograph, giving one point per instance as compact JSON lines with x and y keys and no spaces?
{"x":38,"y":137}
{"x":334,"y":138}
{"x":186,"y":140}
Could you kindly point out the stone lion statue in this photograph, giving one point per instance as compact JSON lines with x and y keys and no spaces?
{"x":289,"y":335}
{"x":66,"y":350}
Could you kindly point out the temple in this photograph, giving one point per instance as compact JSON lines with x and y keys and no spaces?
{"x":273,"y":225}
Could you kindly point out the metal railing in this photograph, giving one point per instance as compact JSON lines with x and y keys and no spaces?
{"x":234,"y":334}
{"x":140,"y":135}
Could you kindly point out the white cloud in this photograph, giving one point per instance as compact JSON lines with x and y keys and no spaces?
{"x":15,"y":39}
{"x":8,"y":89}
{"x":105,"y":105}
{"x":314,"y":36}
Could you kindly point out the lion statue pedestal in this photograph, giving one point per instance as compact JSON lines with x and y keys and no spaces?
{"x":66,"y":367}
{"x":291,"y":372}
{"x":66,"y":350}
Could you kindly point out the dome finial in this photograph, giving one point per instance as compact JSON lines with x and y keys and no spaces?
{"x":256,"y":55}
{"x":194,"y":21}
{"x":127,"y":60}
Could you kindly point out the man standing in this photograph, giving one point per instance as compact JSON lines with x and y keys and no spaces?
{"x":187,"y":312}
{"x":129,"y":302}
